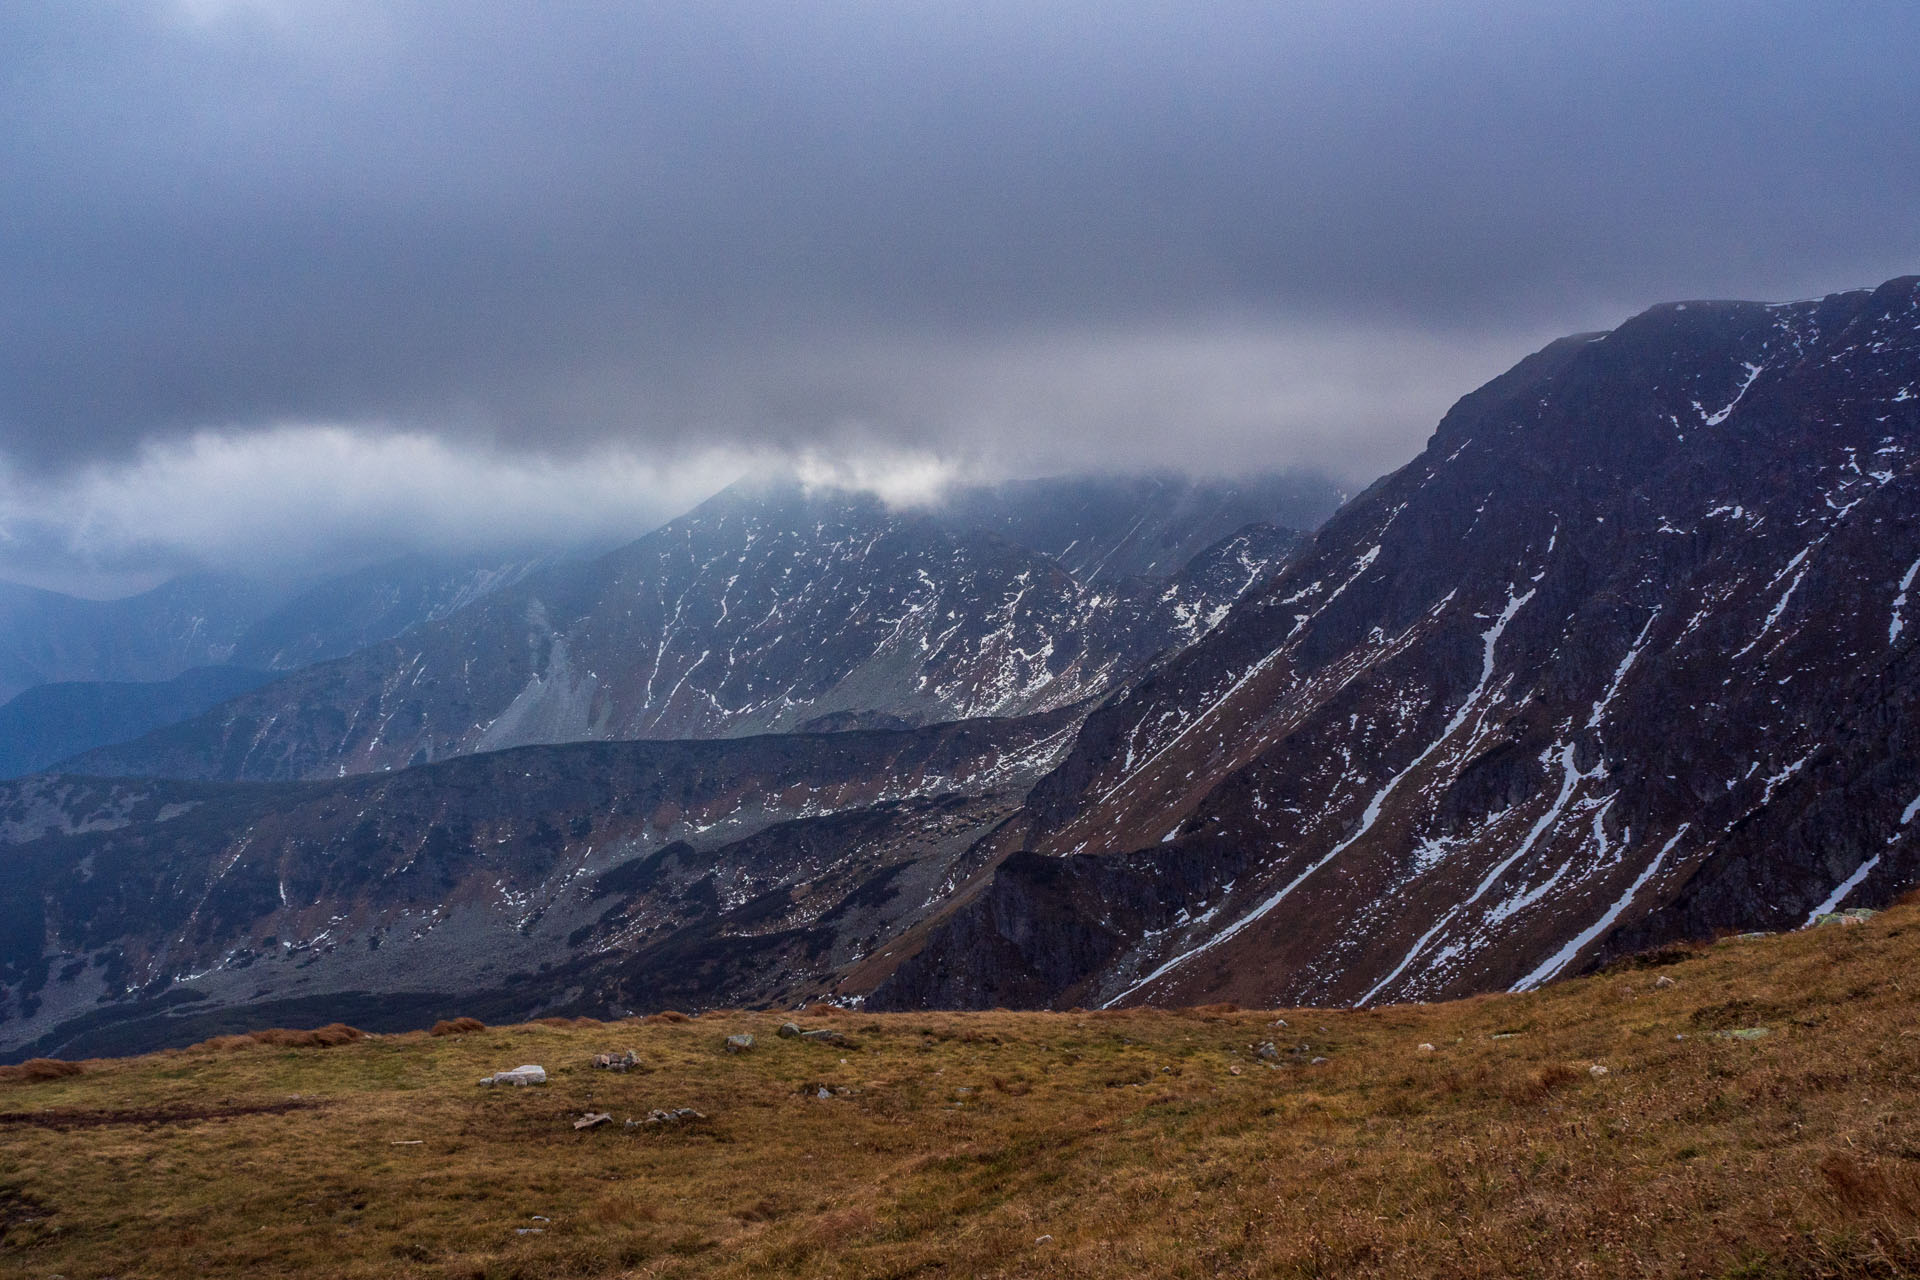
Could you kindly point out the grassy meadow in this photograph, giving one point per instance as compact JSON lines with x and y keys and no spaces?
{"x":1611,"y":1126}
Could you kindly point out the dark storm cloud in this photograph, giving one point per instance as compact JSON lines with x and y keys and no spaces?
{"x":783,"y":225}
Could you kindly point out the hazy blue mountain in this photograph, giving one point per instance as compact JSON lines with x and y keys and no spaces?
{"x":50,"y":722}
{"x":47,"y":637}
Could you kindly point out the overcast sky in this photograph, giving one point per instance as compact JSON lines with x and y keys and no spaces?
{"x":284,"y":280}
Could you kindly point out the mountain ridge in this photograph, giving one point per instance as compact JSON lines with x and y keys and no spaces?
{"x":1437,"y":750}
{"x":759,"y":611}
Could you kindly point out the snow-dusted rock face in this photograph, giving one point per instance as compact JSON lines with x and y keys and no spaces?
{"x":1626,"y":653}
{"x":758,"y":612}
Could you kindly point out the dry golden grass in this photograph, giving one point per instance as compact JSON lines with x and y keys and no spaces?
{"x":1005,"y":1144}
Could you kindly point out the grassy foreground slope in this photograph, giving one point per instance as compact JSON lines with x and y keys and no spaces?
{"x":1132,"y":1143}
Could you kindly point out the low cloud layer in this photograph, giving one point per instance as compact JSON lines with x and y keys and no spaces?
{"x":998,"y":237}
{"x":298,"y":500}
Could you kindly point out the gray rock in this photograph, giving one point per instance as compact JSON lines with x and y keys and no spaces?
{"x":739,"y":1043}
{"x":823,"y":1036}
{"x":593,"y":1120}
{"x":679,"y":1115}
{"x":617,"y":1061}
{"x":1266,"y":1051}
{"x":789,"y":1030}
{"x":528,"y":1073}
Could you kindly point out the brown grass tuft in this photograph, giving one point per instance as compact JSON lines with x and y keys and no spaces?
{"x":666,"y":1015}
{"x":1536,"y":1085}
{"x":1869,"y":1189}
{"x":457,"y":1027}
{"x":34,"y":1070}
{"x":335,"y":1033}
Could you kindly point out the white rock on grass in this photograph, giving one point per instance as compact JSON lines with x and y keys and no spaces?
{"x":528,"y":1073}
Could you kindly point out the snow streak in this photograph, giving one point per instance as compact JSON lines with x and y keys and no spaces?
{"x":1374,"y":806}
{"x":1845,"y":887}
{"x":1560,"y":959}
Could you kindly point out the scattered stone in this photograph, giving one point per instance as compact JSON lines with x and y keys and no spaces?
{"x":529,"y":1231}
{"x":824,"y":1035}
{"x":1042,"y":1239}
{"x":823,"y":1095}
{"x":526,"y":1074}
{"x":1506,"y":1035}
{"x":1852,"y":915}
{"x":679,"y":1115}
{"x":1597,"y":1070}
{"x":1749,"y":937}
{"x":1318,"y":1062}
{"x":1747,"y":1033}
{"x":1279,"y":1022}
{"x":740,"y":1043}
{"x":593,"y":1120}
{"x":1426,"y":1048}
{"x":617,"y":1061}
{"x":789,"y":1030}
{"x":1663,"y":981}
{"x":1233,"y":1071}
{"x":1266,"y":1051}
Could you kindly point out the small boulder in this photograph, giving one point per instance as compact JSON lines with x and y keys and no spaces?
{"x":789,"y":1030}
{"x":617,"y":1061}
{"x":1663,"y":981}
{"x":1318,"y":1062}
{"x":593,"y":1120}
{"x":1266,"y":1051}
{"x":740,"y":1043}
{"x":529,"y":1073}
{"x":1426,"y":1048}
{"x":824,"y":1035}
{"x":1597,"y":1070}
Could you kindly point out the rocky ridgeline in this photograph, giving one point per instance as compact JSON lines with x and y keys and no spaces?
{"x":1627,"y":654}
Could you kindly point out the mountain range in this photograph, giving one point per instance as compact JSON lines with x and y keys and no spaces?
{"x":1625,"y":655}
{"x":767,"y":609}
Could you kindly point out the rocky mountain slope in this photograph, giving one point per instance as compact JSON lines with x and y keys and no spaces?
{"x":595,"y":875}
{"x":1626,"y":653}
{"x":763,"y":610}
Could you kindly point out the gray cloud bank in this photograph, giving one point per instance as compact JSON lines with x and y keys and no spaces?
{"x":1014,"y":237}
